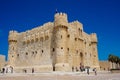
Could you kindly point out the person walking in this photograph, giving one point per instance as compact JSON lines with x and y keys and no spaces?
{"x":95,"y":71}
{"x":3,"y":70}
{"x":88,"y":71}
{"x":32,"y":70}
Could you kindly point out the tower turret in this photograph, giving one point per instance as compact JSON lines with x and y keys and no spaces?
{"x":94,"y":37}
{"x":60,"y":19}
{"x":12,"y":46}
{"x":60,"y":33}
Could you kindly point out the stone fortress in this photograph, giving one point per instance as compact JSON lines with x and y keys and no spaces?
{"x":54,"y":46}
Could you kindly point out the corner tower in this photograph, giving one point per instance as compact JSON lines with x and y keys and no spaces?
{"x":60,"y":43}
{"x":94,"y":51}
{"x":12,"y":47}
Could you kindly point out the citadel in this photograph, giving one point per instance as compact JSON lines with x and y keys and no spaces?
{"x":54,"y":46}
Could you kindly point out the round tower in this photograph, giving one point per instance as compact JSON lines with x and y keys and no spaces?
{"x":60,"y":34}
{"x":12,"y":46}
{"x":94,"y":51}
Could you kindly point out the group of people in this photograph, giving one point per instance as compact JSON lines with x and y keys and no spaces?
{"x":7,"y":69}
{"x":95,"y":71}
{"x":25,"y":71}
{"x":78,"y":69}
{"x":82,"y":68}
{"x":10,"y":69}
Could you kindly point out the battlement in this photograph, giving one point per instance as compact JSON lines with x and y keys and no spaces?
{"x":60,"y":14}
{"x":13,"y":36}
{"x":12,"y":31}
{"x":93,"y":37}
{"x":60,"y":19}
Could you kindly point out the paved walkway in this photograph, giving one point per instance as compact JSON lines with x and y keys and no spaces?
{"x":61,"y":76}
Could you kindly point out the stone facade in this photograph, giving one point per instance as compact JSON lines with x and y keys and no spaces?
{"x":54,"y":46}
{"x":2,"y":61}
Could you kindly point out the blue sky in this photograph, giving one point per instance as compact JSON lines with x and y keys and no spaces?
{"x":99,"y":16}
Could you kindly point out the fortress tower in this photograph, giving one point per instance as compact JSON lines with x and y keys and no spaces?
{"x":94,"y":51}
{"x":61,"y":31}
{"x":12,"y":47}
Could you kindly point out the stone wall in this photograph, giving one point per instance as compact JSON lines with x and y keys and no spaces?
{"x":104,"y":65}
{"x":2,"y":61}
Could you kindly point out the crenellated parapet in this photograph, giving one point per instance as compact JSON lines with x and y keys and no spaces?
{"x":13,"y":36}
{"x":93,"y":37}
{"x":60,"y":19}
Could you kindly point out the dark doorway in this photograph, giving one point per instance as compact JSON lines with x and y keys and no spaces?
{"x":53,"y":68}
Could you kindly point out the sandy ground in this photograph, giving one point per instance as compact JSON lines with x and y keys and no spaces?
{"x":61,"y":76}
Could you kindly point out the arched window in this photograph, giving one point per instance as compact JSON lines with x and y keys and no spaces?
{"x":53,"y":49}
{"x":81,"y":55}
{"x":26,"y":53}
{"x":17,"y":55}
{"x":36,"y":52}
{"x":68,"y":35}
{"x":80,"y":31}
{"x":68,"y":49}
{"x":32,"y":52}
{"x":61,"y":36}
{"x":42,"y":51}
{"x":75,"y":39}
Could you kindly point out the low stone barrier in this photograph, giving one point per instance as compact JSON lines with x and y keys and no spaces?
{"x":115,"y":70}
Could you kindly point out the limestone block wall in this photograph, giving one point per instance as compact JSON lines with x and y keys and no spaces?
{"x":2,"y":61}
{"x":105,"y":65}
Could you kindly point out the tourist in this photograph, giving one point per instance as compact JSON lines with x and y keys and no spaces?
{"x":80,"y":67}
{"x":11,"y":69}
{"x":88,"y":71}
{"x":95,"y":71}
{"x":3,"y":70}
{"x":25,"y":71}
{"x":32,"y":70}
